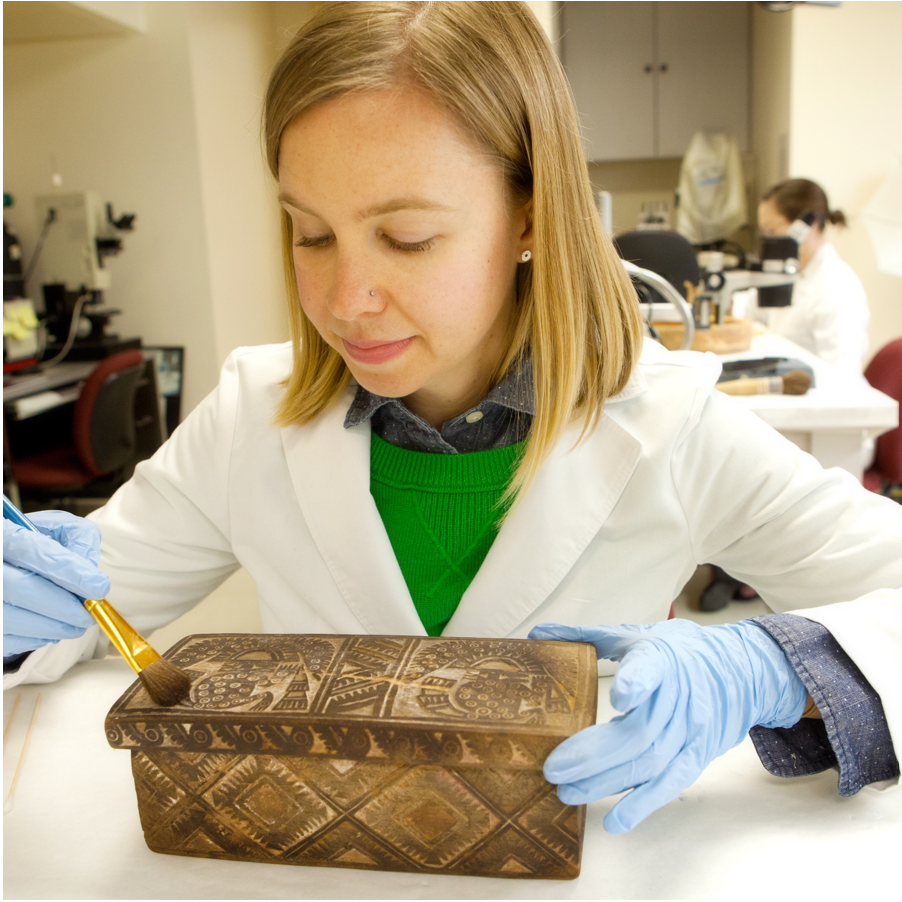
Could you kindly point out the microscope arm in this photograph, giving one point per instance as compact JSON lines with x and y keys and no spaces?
{"x":664,"y":288}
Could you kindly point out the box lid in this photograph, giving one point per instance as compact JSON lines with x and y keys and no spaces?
{"x":450,"y":701}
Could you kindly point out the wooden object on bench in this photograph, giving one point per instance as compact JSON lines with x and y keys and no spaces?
{"x":729,"y":337}
{"x":384,"y":752}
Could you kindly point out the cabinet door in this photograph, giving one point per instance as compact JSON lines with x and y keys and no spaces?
{"x":703,"y":72}
{"x":608,"y":53}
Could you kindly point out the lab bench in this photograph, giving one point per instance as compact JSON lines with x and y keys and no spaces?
{"x":71,"y":828}
{"x":835,"y":421}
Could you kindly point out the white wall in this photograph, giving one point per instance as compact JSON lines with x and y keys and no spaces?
{"x":846,"y":124}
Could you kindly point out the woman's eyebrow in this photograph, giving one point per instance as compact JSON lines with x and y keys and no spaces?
{"x":288,"y":200}
{"x":406,"y":203}
{"x":383,"y":209}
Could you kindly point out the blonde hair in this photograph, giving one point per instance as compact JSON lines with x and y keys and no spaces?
{"x":491,"y":66}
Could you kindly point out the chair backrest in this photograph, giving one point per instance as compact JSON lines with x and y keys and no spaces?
{"x":884,"y":372}
{"x":103,"y":422}
{"x":666,"y":253}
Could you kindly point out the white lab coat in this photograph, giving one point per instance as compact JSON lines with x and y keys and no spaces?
{"x":675,"y":474}
{"x":829,"y":313}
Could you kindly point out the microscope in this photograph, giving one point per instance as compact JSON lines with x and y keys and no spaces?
{"x":78,"y":233}
{"x":665,"y":260}
{"x":772,"y":274}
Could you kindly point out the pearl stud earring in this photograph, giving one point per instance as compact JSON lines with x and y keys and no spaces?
{"x":526,"y":256}
{"x":372,"y":294}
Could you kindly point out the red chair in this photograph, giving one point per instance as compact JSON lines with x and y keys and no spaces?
{"x":103,"y":431}
{"x":884,"y":372}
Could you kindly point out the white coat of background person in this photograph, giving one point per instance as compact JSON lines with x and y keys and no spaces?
{"x":438,"y":246}
{"x":829,"y":313}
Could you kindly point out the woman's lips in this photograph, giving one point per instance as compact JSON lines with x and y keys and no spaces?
{"x":375,"y":351}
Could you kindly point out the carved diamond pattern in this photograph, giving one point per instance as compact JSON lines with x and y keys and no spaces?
{"x":341,"y":782}
{"x":266,"y":803}
{"x":195,"y":770}
{"x":429,"y":818}
{"x":557,"y":825}
{"x":157,"y":792}
{"x":444,"y":820}
{"x":348,"y":845}
{"x":263,"y":799}
{"x":362,"y":815}
{"x":511,"y":854}
{"x":508,"y":789}
{"x":201,"y":843}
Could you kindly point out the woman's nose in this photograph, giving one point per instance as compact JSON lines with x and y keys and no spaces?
{"x":354,"y":292}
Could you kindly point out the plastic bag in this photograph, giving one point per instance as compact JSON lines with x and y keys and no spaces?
{"x":712,"y":189}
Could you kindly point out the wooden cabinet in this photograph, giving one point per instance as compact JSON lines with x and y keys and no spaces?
{"x":647,"y":76}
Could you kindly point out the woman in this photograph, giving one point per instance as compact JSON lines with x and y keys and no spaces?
{"x":829,"y":313}
{"x":462,"y":439}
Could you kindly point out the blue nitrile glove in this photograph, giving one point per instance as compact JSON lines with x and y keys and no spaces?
{"x":40,"y":573}
{"x":690,"y":693}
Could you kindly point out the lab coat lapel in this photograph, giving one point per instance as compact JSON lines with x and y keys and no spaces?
{"x":541,"y":540}
{"x":330,"y":472}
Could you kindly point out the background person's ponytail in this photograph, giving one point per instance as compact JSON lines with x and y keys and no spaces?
{"x":837,"y":217}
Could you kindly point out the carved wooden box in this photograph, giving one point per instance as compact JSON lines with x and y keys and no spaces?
{"x":385,"y":752}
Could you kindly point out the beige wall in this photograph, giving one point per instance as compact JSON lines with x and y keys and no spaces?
{"x":288,"y":16}
{"x":846,"y":124}
{"x":546,"y":12}
{"x":231,"y":49}
{"x":771,"y":78}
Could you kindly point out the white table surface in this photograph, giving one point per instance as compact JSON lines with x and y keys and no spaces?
{"x":72,"y":831}
{"x":832,"y":421}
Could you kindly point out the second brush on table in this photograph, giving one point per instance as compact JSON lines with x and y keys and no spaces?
{"x":796,"y":382}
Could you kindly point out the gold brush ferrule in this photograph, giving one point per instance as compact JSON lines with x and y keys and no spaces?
{"x":130,"y":643}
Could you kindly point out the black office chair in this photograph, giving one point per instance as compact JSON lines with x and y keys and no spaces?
{"x":103,"y":440}
{"x":666,"y":253}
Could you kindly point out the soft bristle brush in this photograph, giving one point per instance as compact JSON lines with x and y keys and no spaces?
{"x":166,"y":683}
{"x":796,"y":382}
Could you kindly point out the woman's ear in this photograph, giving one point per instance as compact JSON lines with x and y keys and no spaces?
{"x":523,"y":222}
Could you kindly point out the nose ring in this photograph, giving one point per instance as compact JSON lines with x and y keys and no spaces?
{"x":372,"y":294}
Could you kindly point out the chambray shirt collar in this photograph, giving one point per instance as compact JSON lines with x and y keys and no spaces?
{"x":503,"y":417}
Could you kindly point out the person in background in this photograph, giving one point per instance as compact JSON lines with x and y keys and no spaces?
{"x":829,"y":313}
{"x":829,"y":316}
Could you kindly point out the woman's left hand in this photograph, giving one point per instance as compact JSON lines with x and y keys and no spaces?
{"x":689,"y":693}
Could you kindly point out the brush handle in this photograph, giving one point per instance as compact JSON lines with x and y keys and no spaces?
{"x":764,"y":385}
{"x":129,"y":642}
{"x":136,"y":650}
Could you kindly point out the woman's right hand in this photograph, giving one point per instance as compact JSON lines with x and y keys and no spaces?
{"x":43,"y":572}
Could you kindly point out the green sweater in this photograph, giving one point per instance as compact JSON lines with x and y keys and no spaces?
{"x":441,"y":514}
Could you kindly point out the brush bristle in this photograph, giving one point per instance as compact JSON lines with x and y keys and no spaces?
{"x":796,"y":382}
{"x":166,"y":683}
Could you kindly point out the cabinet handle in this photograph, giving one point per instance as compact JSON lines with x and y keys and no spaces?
{"x":649,"y":67}
{"x":663,"y":67}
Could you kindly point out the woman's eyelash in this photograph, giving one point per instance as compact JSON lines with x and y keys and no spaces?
{"x":410,"y":247}
{"x":321,"y":241}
